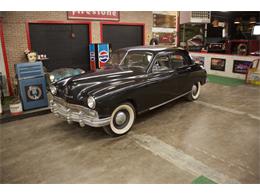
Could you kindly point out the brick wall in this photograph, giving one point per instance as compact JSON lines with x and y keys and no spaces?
{"x":14,"y":26}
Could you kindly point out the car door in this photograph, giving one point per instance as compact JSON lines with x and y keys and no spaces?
{"x":182,"y":70}
{"x":162,"y":81}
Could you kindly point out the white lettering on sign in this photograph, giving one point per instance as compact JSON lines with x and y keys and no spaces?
{"x":97,"y":13}
{"x":94,"y":15}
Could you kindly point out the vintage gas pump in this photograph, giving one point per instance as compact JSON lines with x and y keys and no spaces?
{"x":99,"y":55}
{"x":32,"y":85}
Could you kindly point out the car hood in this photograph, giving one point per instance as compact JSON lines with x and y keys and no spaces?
{"x":100,"y":83}
{"x":62,"y":73}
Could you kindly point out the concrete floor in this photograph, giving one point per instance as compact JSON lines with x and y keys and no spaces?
{"x":217,"y":136}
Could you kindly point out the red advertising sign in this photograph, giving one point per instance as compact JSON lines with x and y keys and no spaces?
{"x":94,"y":15}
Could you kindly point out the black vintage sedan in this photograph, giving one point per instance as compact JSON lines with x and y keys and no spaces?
{"x":135,"y":80}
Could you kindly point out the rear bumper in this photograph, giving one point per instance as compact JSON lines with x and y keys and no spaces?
{"x":76,"y":113}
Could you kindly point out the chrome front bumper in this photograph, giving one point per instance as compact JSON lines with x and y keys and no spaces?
{"x":76,"y":113}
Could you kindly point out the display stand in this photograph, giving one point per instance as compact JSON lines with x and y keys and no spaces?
{"x":233,"y":66}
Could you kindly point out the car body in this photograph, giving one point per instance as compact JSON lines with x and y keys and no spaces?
{"x":135,"y":80}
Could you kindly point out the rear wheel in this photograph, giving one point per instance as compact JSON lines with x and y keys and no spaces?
{"x":195,"y":92}
{"x":122,"y":119}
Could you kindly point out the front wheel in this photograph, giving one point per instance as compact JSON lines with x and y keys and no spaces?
{"x":122,"y":119}
{"x":195,"y":92}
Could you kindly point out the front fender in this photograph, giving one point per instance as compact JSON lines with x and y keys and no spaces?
{"x":107,"y":102}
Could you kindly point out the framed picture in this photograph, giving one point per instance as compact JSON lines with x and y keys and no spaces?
{"x":218,"y":64}
{"x":241,"y":67}
{"x":165,"y":21}
{"x":199,"y":60}
{"x":165,"y":38}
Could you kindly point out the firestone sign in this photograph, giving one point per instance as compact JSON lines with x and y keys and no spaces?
{"x":94,"y":15}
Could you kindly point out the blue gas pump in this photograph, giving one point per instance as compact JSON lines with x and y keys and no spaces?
{"x":32,"y":85}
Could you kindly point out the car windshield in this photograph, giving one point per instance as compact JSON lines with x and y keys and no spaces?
{"x":116,"y":57}
{"x":137,"y":59}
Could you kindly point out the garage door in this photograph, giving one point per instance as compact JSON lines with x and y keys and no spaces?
{"x":66,"y":45}
{"x":120,"y":36}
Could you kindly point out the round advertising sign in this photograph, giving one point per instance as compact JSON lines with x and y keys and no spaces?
{"x":103,"y":56}
{"x":34,"y":92}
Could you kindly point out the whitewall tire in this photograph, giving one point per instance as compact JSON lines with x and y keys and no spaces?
{"x":195,"y":92}
{"x":122,"y":119}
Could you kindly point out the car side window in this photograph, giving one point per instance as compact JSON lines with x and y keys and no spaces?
{"x":177,"y":61}
{"x":161,"y":63}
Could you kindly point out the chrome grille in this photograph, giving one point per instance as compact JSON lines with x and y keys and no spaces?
{"x":73,"y":107}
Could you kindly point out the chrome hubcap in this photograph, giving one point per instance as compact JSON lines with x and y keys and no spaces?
{"x":120,"y":118}
{"x":194,"y":89}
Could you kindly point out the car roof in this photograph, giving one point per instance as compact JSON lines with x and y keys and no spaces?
{"x":153,"y":48}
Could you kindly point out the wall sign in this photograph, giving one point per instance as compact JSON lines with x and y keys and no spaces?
{"x":165,"y":21}
{"x":218,"y":64}
{"x":241,"y":67}
{"x":93,"y":15}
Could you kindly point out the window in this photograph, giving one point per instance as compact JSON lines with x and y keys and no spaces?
{"x":161,"y":63}
{"x":116,"y":57}
{"x":137,"y":59}
{"x":177,"y":61}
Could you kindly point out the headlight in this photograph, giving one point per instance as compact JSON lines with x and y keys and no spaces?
{"x":91,"y":102}
{"x":53,"y":90}
{"x":52,"y":78}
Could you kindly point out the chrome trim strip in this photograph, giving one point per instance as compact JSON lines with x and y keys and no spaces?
{"x":151,"y":108}
{"x":109,"y":74}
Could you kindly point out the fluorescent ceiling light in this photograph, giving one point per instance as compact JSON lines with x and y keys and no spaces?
{"x":256,"y":30}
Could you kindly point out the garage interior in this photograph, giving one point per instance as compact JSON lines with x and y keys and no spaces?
{"x":215,"y":139}
{"x":176,"y":143}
